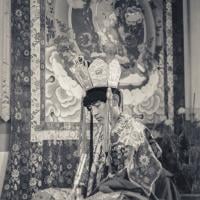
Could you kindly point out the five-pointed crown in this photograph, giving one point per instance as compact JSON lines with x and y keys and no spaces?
{"x":97,"y":74}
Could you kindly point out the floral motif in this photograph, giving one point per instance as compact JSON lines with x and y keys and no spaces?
{"x":133,"y":16}
{"x":144,"y":160}
{"x":15,"y":147}
{"x":168,"y":122}
{"x":33,"y":182}
{"x":26,"y":79}
{"x":181,"y":111}
{"x":26,"y":52}
{"x":18,"y":13}
{"x":18,"y":116}
{"x":25,"y":196}
{"x":24,"y":171}
{"x":7,"y":187}
{"x":15,"y":173}
{"x":85,"y":40}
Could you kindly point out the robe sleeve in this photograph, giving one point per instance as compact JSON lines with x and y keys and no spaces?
{"x":154,"y":145}
{"x":143,"y":167}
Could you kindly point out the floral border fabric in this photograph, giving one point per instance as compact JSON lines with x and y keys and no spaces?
{"x":31,"y":166}
{"x":16,"y":183}
{"x":169,"y":58}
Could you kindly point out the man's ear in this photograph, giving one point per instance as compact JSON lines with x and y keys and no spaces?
{"x":115,"y":100}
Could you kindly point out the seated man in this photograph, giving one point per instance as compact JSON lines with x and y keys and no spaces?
{"x":119,"y":161}
{"x":128,"y":167}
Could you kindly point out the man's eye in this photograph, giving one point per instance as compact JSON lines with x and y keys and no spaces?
{"x":97,"y":105}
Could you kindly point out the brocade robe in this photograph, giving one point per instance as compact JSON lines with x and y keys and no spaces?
{"x":128,"y":172}
{"x":129,"y":169}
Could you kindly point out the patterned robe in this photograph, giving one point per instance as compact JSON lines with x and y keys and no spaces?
{"x":128,"y":170}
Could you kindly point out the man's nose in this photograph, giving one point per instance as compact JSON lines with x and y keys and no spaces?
{"x":94,"y":111}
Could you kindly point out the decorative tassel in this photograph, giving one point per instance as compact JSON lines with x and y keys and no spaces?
{"x":106,"y":140}
{"x":82,"y":150}
{"x":91,"y":140}
{"x":79,"y":172}
{"x":122,"y":101}
{"x":83,"y":137}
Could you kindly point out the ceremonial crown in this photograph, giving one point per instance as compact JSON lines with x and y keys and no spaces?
{"x":97,"y":74}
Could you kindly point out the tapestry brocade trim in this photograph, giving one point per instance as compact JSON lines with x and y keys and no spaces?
{"x":16,"y":182}
{"x":39,"y":129}
{"x":169,"y":56}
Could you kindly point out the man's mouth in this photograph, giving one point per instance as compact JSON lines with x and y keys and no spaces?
{"x":99,"y":118}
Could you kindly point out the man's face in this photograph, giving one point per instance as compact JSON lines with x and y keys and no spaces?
{"x":99,"y":111}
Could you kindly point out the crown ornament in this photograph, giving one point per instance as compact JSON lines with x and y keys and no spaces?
{"x":80,"y":72}
{"x":97,"y":74}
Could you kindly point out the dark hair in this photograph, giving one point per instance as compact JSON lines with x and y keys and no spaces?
{"x":98,"y":94}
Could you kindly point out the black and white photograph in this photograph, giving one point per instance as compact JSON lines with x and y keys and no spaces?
{"x":99,"y":100}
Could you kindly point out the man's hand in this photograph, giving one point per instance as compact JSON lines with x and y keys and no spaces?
{"x":76,"y":194}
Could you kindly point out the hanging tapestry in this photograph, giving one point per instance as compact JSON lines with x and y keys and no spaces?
{"x":45,"y":98}
{"x":135,"y":34}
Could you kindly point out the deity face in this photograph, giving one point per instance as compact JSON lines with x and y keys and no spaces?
{"x":99,"y":111}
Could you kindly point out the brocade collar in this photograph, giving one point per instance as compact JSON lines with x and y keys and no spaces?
{"x":120,"y":124}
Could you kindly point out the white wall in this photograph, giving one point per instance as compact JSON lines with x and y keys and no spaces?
{"x":4,"y":146}
{"x":3,"y":165}
{"x":191,"y":11}
{"x":4,"y":91}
